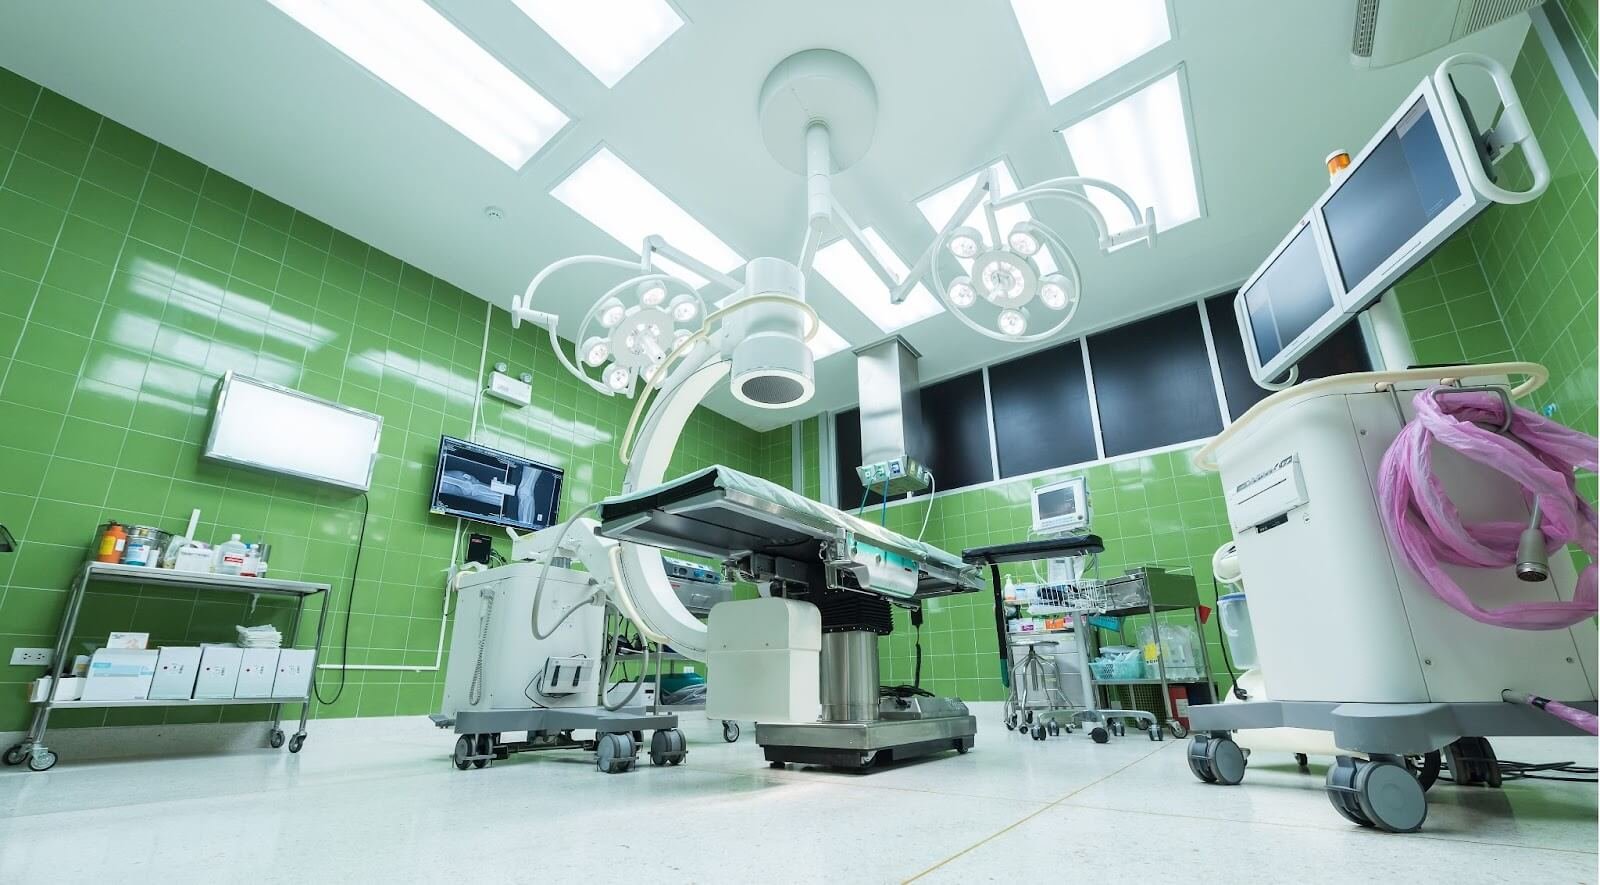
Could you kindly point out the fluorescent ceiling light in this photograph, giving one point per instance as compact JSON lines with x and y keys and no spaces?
{"x":609,"y":37}
{"x":410,"y":46}
{"x":1075,"y":44}
{"x":937,"y":209}
{"x":619,"y":201}
{"x":1141,"y":144}
{"x":827,"y":342}
{"x":843,"y":266}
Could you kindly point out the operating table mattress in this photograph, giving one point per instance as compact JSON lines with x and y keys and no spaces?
{"x":722,"y":512}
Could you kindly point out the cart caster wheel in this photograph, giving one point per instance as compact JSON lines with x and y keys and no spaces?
{"x":730,"y":732}
{"x":667,"y":747}
{"x":1027,"y":718}
{"x":962,"y":749}
{"x":614,"y":752}
{"x":1377,"y":794}
{"x":1178,"y":729}
{"x":15,"y":754}
{"x":275,"y":738}
{"x":462,"y":754}
{"x":1067,"y":729}
{"x":1119,"y":729}
{"x":484,"y":749}
{"x":1012,"y":722}
{"x":1038,"y":732}
{"x":1155,"y":732}
{"x":42,"y":761}
{"x":781,"y":766}
{"x":1472,"y":763}
{"x":1053,"y":727}
{"x":1099,"y":735}
{"x":1216,"y":760}
{"x":1426,"y":768}
{"x":1304,"y":761}
{"x":296,"y":742}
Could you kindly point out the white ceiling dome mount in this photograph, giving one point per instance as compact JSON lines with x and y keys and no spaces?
{"x":818,"y":86}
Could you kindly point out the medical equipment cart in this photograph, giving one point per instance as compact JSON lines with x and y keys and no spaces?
{"x":39,"y":757}
{"x":1145,"y":591}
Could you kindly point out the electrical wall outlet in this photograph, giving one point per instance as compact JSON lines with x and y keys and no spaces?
{"x":31,"y":657}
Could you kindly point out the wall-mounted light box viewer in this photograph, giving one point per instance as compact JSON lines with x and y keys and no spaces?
{"x":274,"y":428}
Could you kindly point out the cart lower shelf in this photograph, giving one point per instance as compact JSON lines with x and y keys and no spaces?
{"x":177,"y":702}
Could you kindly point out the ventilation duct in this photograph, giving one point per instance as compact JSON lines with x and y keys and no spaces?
{"x":1387,"y":32}
{"x":892,"y":440}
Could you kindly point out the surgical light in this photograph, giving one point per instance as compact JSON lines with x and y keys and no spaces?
{"x":685,"y":308}
{"x":961,"y":292}
{"x":596,"y":351}
{"x":1014,"y":321}
{"x":618,"y":378}
{"x":965,"y":242}
{"x":652,"y":293}
{"x":1023,"y":242}
{"x":611,"y":313}
{"x":1055,"y":290}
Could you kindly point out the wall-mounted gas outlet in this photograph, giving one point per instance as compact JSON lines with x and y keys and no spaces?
{"x":31,"y":657}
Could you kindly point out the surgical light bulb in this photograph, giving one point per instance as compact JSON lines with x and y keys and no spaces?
{"x":965,"y":242}
{"x":617,"y":378}
{"x":1001,"y":281}
{"x":685,"y":308}
{"x":1023,"y":242}
{"x":611,"y":313}
{"x":680,"y":336}
{"x":595,"y":351}
{"x":961,"y":292}
{"x":1013,"y":322}
{"x":1055,"y":291}
{"x":652,"y":293}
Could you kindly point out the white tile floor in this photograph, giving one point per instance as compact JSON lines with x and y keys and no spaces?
{"x":377,"y":800}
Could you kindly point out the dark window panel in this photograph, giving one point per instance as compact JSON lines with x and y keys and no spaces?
{"x":957,"y":432}
{"x":1042,"y":416}
{"x":1152,"y":382}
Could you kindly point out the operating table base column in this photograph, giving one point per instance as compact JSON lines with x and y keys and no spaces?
{"x":858,"y":731}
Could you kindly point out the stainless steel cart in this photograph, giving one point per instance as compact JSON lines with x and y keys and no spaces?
{"x":40,"y":757}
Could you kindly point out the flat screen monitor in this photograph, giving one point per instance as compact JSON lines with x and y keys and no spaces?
{"x":270,"y":427}
{"x":1285,"y":302}
{"x":1061,"y":506}
{"x":487,"y":485}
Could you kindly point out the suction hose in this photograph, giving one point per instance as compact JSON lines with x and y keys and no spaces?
{"x":1577,"y":718}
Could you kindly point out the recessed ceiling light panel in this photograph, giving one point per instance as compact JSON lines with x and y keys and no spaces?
{"x":1075,"y":44}
{"x":844,"y":268}
{"x":609,"y":37}
{"x":1142,"y":144}
{"x":410,"y":46}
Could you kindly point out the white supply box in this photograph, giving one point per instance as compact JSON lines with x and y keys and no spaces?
{"x":258,"y":668}
{"x":120,"y":674}
{"x":176,"y":670}
{"x":219,"y":671}
{"x":294,"y":673}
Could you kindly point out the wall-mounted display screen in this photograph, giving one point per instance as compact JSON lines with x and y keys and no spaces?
{"x":487,"y":485}
{"x":273,"y":428}
{"x":1288,"y":296}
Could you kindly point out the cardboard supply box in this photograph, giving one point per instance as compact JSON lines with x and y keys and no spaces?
{"x":176,"y":671}
{"x":219,"y":671}
{"x":294,"y":673}
{"x":120,"y":674}
{"x":258,"y":668}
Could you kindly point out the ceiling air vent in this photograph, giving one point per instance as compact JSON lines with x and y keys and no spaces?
{"x":1387,"y":32}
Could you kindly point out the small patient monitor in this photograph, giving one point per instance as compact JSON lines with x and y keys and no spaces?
{"x":1061,"y":506}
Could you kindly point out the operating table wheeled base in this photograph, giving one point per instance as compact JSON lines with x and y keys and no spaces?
{"x":618,"y":735}
{"x":861,"y":745}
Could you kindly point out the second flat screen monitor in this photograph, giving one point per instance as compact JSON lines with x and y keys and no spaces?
{"x":1289,"y":297}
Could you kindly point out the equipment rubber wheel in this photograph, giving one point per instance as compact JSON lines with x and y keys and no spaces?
{"x":667,"y":747}
{"x":1011,"y":721}
{"x":1155,"y":732}
{"x":1119,"y":728}
{"x":1099,"y":735}
{"x":1027,"y":718}
{"x":1196,"y":754}
{"x":614,"y":752}
{"x":1178,"y":729}
{"x":730,"y":731}
{"x":1038,"y":731}
{"x":275,"y":738}
{"x":484,"y":748}
{"x":1341,"y":795}
{"x":1053,"y":727}
{"x":460,"y":755}
{"x":1426,"y":768}
{"x":42,"y":761}
{"x":296,"y":742}
{"x":14,"y":755}
{"x":1303,"y":761}
{"x":1223,"y":760}
{"x":1390,"y":797}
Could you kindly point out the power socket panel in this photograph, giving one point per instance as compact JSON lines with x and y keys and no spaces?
{"x":32,"y":657}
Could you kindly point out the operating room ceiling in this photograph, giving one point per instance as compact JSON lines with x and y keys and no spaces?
{"x":244,"y":89}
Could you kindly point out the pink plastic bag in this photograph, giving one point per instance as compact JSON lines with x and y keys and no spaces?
{"x":1538,"y":453}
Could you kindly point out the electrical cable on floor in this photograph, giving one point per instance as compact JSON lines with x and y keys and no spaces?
{"x":1539,"y":771}
{"x":344,"y":642}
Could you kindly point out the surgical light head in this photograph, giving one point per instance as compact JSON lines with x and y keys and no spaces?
{"x":773,"y":367}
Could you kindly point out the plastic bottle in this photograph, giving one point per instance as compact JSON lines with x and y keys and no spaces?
{"x":112,"y":540}
{"x":230,"y":556}
{"x":252,"y":562}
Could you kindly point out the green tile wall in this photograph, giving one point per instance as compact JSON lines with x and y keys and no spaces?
{"x":131,"y":278}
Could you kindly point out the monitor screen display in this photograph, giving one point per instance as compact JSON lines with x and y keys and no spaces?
{"x":1288,"y":297}
{"x":482,"y":484}
{"x":1400,"y":186}
{"x":1058,"y":503}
